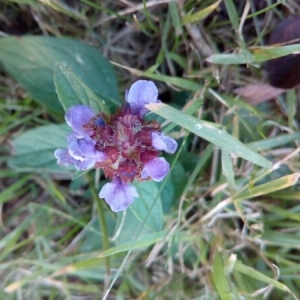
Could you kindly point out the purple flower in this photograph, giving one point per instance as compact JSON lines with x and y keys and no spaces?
{"x":140,"y":93}
{"x":163,"y":142}
{"x":124,"y":145}
{"x":81,"y":151}
{"x":77,"y":116}
{"x":156,"y":168}
{"x":65,"y":159}
{"x":118,"y":195}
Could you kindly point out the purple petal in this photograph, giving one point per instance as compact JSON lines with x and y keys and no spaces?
{"x":163,"y":142}
{"x":63,"y":157}
{"x":99,"y":156}
{"x":80,"y":149}
{"x":83,"y":149}
{"x":156,"y":168}
{"x":84,"y":165}
{"x":77,"y":116}
{"x":140,"y":93}
{"x":118,"y":195}
{"x":71,"y":137}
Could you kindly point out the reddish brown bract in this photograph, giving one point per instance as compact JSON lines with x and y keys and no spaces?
{"x":126,"y":141}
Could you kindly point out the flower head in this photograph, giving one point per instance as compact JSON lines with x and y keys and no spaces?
{"x":124,"y":145}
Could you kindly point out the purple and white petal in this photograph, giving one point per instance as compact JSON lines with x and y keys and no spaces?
{"x":118,"y":195}
{"x":81,"y":149}
{"x":140,"y":93}
{"x":63,"y":157}
{"x":84,"y":165}
{"x":77,"y":116}
{"x":163,"y":142}
{"x":71,"y":137}
{"x":156,"y":168}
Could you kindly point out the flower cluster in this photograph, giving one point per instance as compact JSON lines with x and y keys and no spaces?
{"x":124,"y":144}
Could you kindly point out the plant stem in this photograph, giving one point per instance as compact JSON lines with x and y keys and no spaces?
{"x":102,"y":221}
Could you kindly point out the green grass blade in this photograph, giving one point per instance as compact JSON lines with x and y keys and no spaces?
{"x":209,"y":132}
{"x":253,"y":55}
{"x":227,"y":168}
{"x":200,"y":15}
{"x":177,"y":81}
{"x":219,"y":278}
{"x":248,"y":271}
{"x":13,"y":189}
{"x":175,"y":17}
{"x":274,"y":142}
{"x":270,"y":187}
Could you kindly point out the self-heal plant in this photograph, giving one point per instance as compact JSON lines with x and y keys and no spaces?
{"x":124,"y":145}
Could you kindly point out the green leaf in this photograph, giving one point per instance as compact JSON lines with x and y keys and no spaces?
{"x":128,"y":228}
{"x":72,"y":91}
{"x":143,"y":216}
{"x":31,"y":61}
{"x":35,"y":149}
{"x":209,"y":132}
{"x":147,"y":208}
{"x":173,"y":188}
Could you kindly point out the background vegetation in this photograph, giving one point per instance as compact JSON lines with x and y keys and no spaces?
{"x":228,"y":226}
